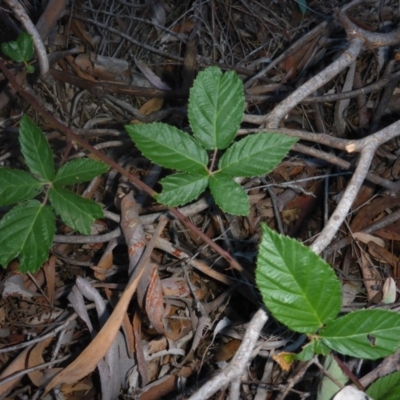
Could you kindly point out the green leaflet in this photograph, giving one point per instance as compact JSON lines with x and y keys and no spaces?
{"x":36,"y":150}
{"x":16,"y":186}
{"x":370,"y":334}
{"x":216,"y":106}
{"x":229,"y":195}
{"x":27,"y":231}
{"x":298,"y":287}
{"x":78,"y":171}
{"x":386,"y":388}
{"x":75,"y":211}
{"x":328,"y":388}
{"x":256,"y":154}
{"x":20,"y":50}
{"x":169,"y":147}
{"x":182,"y":188}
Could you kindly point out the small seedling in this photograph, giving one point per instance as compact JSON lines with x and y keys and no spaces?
{"x":216,"y":105}
{"x":27,"y":230}
{"x":20,"y":50}
{"x":302,"y":291}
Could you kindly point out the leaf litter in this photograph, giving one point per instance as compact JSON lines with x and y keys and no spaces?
{"x":137,"y":63}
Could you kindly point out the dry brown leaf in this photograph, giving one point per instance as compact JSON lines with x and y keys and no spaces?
{"x":366,"y":237}
{"x":153,"y":105}
{"x":380,"y":253}
{"x":92,"y":354}
{"x":154,"y":303}
{"x":40,"y":377}
{"x":49,"y":269}
{"x":284,"y":359}
{"x":18,"y":364}
{"x":227,"y":350}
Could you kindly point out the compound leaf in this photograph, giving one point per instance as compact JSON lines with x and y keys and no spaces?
{"x":19,"y":50}
{"x":17,"y":186}
{"x":181,"y":188}
{"x":27,"y":232}
{"x":36,"y":150}
{"x":74,"y":210}
{"x":255,"y":155}
{"x":299,"y":288}
{"x":369,"y":334}
{"x":229,"y":195}
{"x":216,"y":105}
{"x":168,"y":146}
{"x":77,"y":171}
{"x":386,"y":388}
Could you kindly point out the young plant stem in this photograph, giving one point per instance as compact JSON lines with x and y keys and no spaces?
{"x":55,"y":123}
{"x":213,"y":158}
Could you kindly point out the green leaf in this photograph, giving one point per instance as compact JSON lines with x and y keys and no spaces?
{"x":78,"y":171}
{"x":19,"y":50}
{"x":386,"y":388}
{"x":302,"y":5}
{"x":16,"y":186}
{"x":299,"y":288}
{"x":27,"y":232}
{"x":255,"y":155}
{"x":328,"y":388}
{"x":216,"y":105}
{"x":369,"y":334}
{"x":74,"y":210}
{"x":36,"y":150}
{"x":181,"y":188}
{"x":169,"y":147}
{"x":229,"y":195}
{"x":307,"y":352}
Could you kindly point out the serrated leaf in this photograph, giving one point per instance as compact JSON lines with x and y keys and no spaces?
{"x":27,"y":232}
{"x":299,"y":288}
{"x":169,"y":147}
{"x":182,"y":188}
{"x":255,"y":155}
{"x":328,"y":388}
{"x":229,"y":195}
{"x":77,"y":171}
{"x":216,"y":105}
{"x":36,"y":150}
{"x":369,"y":334}
{"x":19,"y":50}
{"x":17,"y":186}
{"x":25,"y":44}
{"x":74,"y":210}
{"x":386,"y":388}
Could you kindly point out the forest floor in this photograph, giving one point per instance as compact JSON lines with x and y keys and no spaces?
{"x":116,"y":62}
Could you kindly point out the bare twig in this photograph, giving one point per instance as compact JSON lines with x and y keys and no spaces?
{"x":239,"y":361}
{"x":368,"y":146}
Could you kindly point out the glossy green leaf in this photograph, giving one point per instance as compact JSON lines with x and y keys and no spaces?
{"x":169,"y":147}
{"x":27,"y":232}
{"x":369,"y":334}
{"x":328,"y":388}
{"x":298,"y":287}
{"x":386,"y":388}
{"x":216,"y":106}
{"x":229,"y":195}
{"x":19,"y":50}
{"x":182,"y":188}
{"x":36,"y":150}
{"x":17,"y":185}
{"x":78,"y":171}
{"x":74,"y":210}
{"x":256,"y":154}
